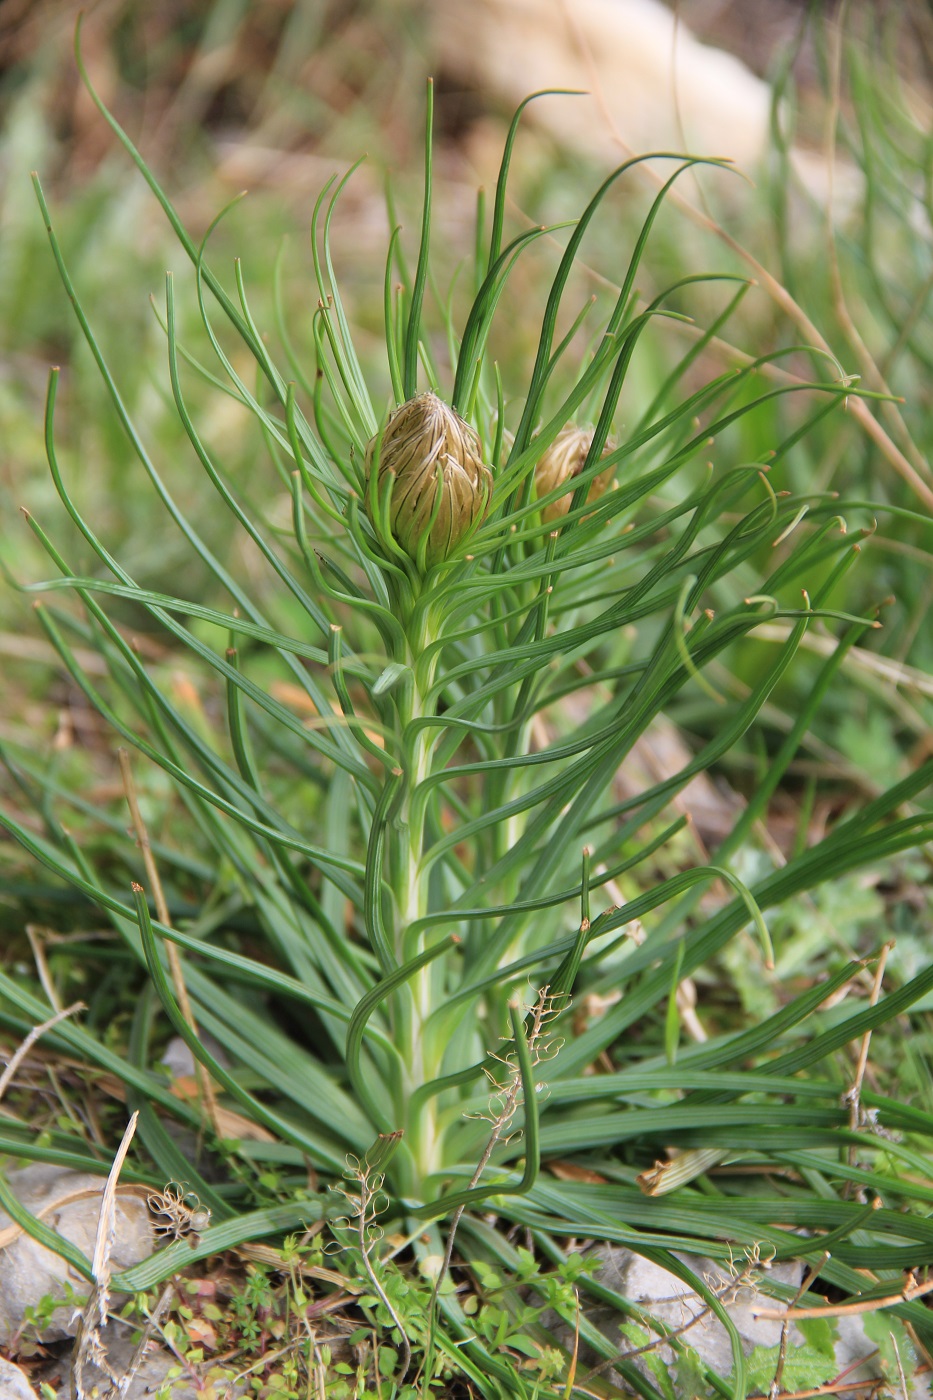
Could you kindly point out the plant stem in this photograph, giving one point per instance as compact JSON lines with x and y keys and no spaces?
{"x":413,"y":1004}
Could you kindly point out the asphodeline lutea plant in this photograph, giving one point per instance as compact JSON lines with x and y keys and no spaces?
{"x":504,"y":575}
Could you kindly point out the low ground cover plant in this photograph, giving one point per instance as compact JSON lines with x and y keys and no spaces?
{"x":383,"y":876}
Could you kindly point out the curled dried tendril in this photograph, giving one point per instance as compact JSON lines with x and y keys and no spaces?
{"x":743,"y":1274}
{"x":507,"y":1095}
{"x":178,"y":1212}
{"x":366,"y":1201}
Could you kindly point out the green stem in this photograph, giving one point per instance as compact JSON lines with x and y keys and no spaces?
{"x":411,"y":1005}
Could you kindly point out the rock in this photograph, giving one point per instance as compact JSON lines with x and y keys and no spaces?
{"x":178,"y":1059}
{"x":120,"y":1346}
{"x":856,"y":1356}
{"x":669,"y":1299}
{"x":68,"y":1202}
{"x":180,"y":1062}
{"x":13,"y":1384}
{"x":631,"y":54}
{"x":651,"y":85}
{"x":672,"y":1301}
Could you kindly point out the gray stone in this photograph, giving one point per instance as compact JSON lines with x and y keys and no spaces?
{"x":13,"y":1384}
{"x":119,"y":1344}
{"x":672,"y":1301}
{"x":852,"y":1344}
{"x":177,"y":1058}
{"x":68,"y":1202}
{"x":180,"y":1062}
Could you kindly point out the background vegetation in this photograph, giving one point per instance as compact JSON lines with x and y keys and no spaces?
{"x":794,"y":1097}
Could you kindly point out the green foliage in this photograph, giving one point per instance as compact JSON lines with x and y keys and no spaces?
{"x":384,"y":789}
{"x":804,"y":1368}
{"x":820,"y":1333}
{"x":688,"y":1375}
{"x":656,"y":1365}
{"x":39,"y":1316}
{"x":897,"y":1351}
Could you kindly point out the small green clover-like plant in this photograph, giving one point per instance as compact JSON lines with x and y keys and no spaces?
{"x":252,"y":1305}
{"x":38,"y":1316}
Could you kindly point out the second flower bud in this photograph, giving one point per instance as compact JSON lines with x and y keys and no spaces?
{"x":563,"y":462}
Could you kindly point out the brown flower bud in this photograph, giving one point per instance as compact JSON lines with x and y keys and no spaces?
{"x":440,"y":486}
{"x":563,"y":461}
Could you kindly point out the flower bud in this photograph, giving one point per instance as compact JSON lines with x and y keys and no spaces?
{"x":563,"y":461}
{"x":431,"y":461}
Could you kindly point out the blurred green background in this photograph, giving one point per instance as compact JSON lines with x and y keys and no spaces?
{"x":278,"y":96}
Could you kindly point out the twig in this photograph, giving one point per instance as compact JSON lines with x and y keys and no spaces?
{"x":88,"y":1343}
{"x":44,"y":654}
{"x":505,"y":1103}
{"x":366,"y":1196}
{"x":34,"y":933}
{"x":205,"y":1087}
{"x":869,"y":367}
{"x":856,"y":1089}
{"x":364,"y":1208}
{"x":662,"y":1339}
{"x":854,"y":1095}
{"x":726,"y":1290}
{"x":906,"y":1295}
{"x":30,"y":1041}
{"x":107,"y":1220}
{"x":834,"y":1387}
{"x":900,"y":1368}
{"x":882,"y":667}
{"x":686,"y":998}
{"x":805,"y":1286}
{"x":575,"y":1355}
{"x":153,"y":1322}
{"x":264,"y":1254}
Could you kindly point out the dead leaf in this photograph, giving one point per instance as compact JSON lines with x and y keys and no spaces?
{"x":570,"y":1171}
